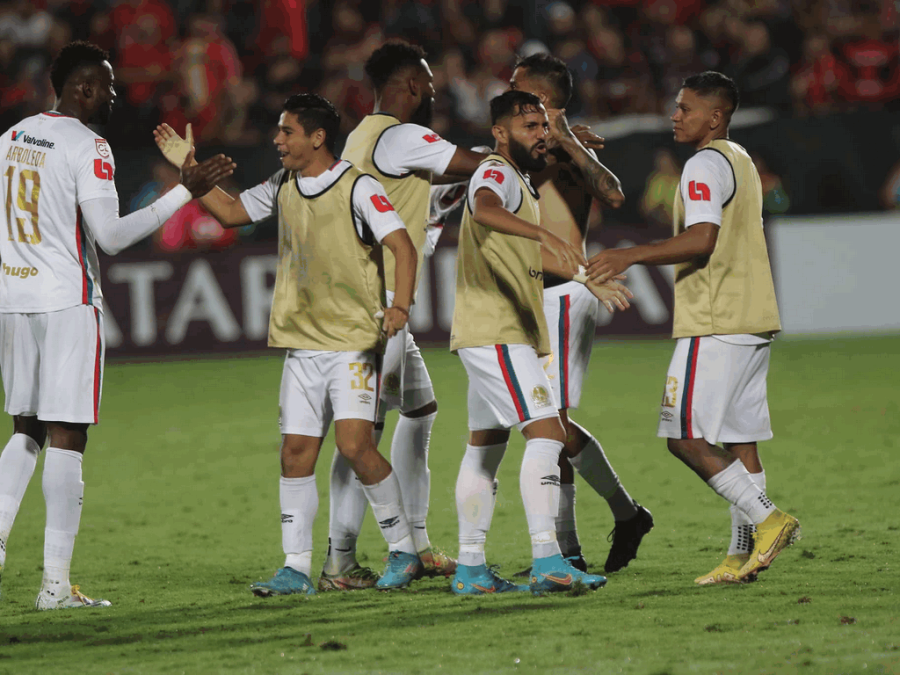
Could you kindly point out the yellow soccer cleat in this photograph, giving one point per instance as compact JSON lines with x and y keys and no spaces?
{"x":726,"y":572}
{"x":773,"y":535}
{"x":50,"y":598}
{"x":436,"y":563}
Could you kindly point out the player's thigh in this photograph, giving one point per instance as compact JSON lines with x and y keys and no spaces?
{"x":19,"y":364}
{"x":507,"y":387}
{"x":72,"y":348}
{"x":571,"y":311}
{"x":747,"y":416}
{"x":304,"y":407}
{"x":352,"y":380}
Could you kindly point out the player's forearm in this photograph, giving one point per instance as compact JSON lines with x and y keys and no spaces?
{"x":694,"y":243}
{"x":599,"y":181}
{"x":226,"y":209}
{"x":405,"y":263}
{"x":499,"y":219}
{"x":552,"y":265}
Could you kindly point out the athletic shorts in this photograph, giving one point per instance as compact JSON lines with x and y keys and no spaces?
{"x":52,"y":364}
{"x":316,"y":389}
{"x":405,"y":382}
{"x":507,"y":387}
{"x":571,"y":311}
{"x":716,"y":390}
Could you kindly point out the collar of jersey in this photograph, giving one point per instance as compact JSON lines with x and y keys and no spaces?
{"x":334,"y":174}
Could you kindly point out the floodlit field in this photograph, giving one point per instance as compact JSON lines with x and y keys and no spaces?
{"x":181,"y":514}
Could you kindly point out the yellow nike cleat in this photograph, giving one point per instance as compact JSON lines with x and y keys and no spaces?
{"x":726,"y":572}
{"x":773,"y":535}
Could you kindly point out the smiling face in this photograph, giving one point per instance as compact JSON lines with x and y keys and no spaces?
{"x":296,"y":148}
{"x":697,"y":119}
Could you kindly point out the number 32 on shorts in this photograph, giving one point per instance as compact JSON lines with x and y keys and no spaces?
{"x":363,"y":374}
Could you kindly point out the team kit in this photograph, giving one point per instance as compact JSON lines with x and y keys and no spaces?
{"x":353,"y":233}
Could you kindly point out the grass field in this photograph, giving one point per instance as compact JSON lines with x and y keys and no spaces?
{"x":181,"y":514}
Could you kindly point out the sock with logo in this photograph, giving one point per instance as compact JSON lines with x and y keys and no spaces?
{"x":735,"y":484}
{"x":742,"y":530}
{"x":475,"y":498}
{"x":348,"y":504}
{"x":63,"y":496}
{"x":539,"y":484}
{"x":566,"y":529}
{"x":388,"y":510}
{"x":299,"y":505}
{"x":409,"y":457}
{"x":17,"y":464}
{"x":592,"y":465}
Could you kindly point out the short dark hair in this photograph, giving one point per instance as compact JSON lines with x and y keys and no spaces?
{"x":512,"y":103}
{"x":711,"y":83}
{"x":553,"y":70}
{"x":391,"y":58}
{"x":315,"y":112}
{"x":70,"y":58}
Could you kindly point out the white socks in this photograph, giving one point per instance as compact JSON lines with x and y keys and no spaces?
{"x":388,"y":510}
{"x":735,"y":484}
{"x":17,"y":464}
{"x":475,"y":498}
{"x":539,"y":483}
{"x":566,"y":530}
{"x":409,"y":457}
{"x":742,"y":529}
{"x":299,"y":505}
{"x":347,"y":509}
{"x":592,"y":465}
{"x":63,"y":495}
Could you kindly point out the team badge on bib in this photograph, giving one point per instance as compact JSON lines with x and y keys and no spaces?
{"x":102,"y":147}
{"x":540,"y":397}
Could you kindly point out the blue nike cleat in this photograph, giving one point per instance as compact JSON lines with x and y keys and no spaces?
{"x":482,"y":580}
{"x":553,"y":574}
{"x":401,"y":569}
{"x":287,"y":581}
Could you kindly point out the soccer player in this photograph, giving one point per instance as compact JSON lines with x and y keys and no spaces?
{"x":567,"y":186}
{"x":714,"y":408}
{"x":396,"y":145}
{"x":325,"y":313}
{"x":500,"y":334}
{"x":60,"y":201}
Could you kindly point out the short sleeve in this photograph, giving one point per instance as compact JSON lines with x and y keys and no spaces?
{"x":500,"y":179}
{"x":373,"y":209}
{"x":95,"y":168}
{"x":261,"y":201}
{"x":707,"y":185}
{"x":405,"y":148}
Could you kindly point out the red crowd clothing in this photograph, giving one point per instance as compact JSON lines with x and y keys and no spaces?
{"x":874,"y":75}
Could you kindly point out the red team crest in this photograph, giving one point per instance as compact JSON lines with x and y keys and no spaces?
{"x":102,"y":147}
{"x":698,"y":191}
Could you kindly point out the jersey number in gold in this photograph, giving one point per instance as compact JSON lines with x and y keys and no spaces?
{"x":26,"y":201}
{"x":363,"y":373}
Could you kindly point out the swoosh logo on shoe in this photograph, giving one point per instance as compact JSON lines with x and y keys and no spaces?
{"x":484,"y":589}
{"x":565,"y":581}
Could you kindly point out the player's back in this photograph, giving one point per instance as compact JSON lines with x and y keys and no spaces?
{"x":51,"y":164}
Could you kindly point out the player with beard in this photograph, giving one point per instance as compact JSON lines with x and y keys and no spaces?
{"x":61,"y":202}
{"x":396,"y":145}
{"x":500,"y":334}
{"x":572,"y":179}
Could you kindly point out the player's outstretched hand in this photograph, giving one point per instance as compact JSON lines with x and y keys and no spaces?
{"x":608,"y":264}
{"x":173,"y":147}
{"x":201,"y":178}
{"x":588,"y":138}
{"x":567,"y":254}
{"x":611,"y":293}
{"x":394,"y":321}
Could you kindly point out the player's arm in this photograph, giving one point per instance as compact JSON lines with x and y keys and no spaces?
{"x":599,"y":181}
{"x":612,"y":294}
{"x":462,"y":165}
{"x":406,"y":260}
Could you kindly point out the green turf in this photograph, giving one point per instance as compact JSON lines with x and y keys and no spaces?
{"x":181,"y":515}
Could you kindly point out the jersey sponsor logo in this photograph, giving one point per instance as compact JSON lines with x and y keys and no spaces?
{"x":698,"y":192}
{"x":494,"y":175}
{"x":102,"y":147}
{"x":381,"y":203}
{"x":670,"y":392}
{"x":21,"y":272}
{"x":535,"y":274}
{"x":103,"y":170}
{"x":22,"y":137}
{"x":431,"y":138}
{"x":540,"y":397}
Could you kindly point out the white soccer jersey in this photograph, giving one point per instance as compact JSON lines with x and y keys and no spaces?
{"x":707,"y":185}
{"x":52,"y":164}
{"x":500,"y":179}
{"x":404,"y":148}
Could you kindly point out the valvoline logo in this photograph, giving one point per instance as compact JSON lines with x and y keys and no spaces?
{"x":16,"y":135}
{"x":22,"y":137}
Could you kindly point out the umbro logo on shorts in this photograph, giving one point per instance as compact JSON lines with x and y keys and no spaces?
{"x":389,"y":522}
{"x":666,"y":415}
{"x":550,"y":480}
{"x":365,"y":398}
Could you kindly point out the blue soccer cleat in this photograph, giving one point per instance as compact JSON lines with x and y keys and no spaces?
{"x":553,"y":574}
{"x":287,"y":581}
{"x":401,"y":569}
{"x":481,"y":580}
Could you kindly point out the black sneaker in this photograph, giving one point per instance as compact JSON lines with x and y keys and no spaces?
{"x":626,"y":537}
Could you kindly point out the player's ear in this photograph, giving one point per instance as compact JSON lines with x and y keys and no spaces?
{"x":500,"y":133}
{"x":318,"y":138}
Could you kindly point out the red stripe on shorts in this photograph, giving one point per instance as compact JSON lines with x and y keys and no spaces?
{"x":564,"y":350}
{"x":509,"y":383}
{"x":97,"y":367}
{"x":689,"y":397}
{"x":78,"y":245}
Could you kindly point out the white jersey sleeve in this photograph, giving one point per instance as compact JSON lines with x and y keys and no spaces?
{"x":373,"y":213}
{"x":707,"y":185}
{"x":405,"y":148}
{"x":498,"y":178}
{"x":94,"y":167}
{"x":261,"y":201}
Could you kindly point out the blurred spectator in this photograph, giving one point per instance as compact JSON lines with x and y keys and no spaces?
{"x":658,"y":201}
{"x":625,"y":81}
{"x":818,"y":78}
{"x":761,"y":72}
{"x":26,"y":25}
{"x":874,"y":64}
{"x":472,"y":89}
{"x":775,"y":197}
{"x":129,"y":18}
{"x":889,"y":194}
{"x":285,"y":18}
{"x":683,"y":61}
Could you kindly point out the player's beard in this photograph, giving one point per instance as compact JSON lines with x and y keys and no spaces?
{"x":424,"y":114}
{"x":524,"y":159}
{"x":101,"y":117}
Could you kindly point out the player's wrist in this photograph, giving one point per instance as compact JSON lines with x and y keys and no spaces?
{"x":401,"y":309}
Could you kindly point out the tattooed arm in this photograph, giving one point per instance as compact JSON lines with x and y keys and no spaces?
{"x":600,"y":181}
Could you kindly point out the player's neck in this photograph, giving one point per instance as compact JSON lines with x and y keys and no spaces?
{"x":319,"y":165}
{"x":715,"y":136}
{"x":70,"y":109}
{"x":392,"y":105}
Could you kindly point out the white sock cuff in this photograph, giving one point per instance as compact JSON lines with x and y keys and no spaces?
{"x":544,"y":446}
{"x":25,"y":442}
{"x":296,"y":482}
{"x":728,"y":474}
{"x":484,"y":458}
{"x":759,"y":479}
{"x":62,"y":454}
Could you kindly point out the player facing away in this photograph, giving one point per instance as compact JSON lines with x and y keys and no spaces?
{"x":567,"y":186}
{"x":333,"y":220}
{"x":714,"y":408}
{"x":500,"y":334}
{"x":61,"y":201}
{"x":396,"y":145}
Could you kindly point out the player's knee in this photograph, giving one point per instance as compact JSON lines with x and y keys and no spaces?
{"x":422,"y":411}
{"x":677,"y":447}
{"x":354,"y":448}
{"x":31,"y":427}
{"x":68,"y":436}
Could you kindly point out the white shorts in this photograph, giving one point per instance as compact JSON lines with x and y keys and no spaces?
{"x":716,"y":391}
{"x":316,"y":389}
{"x":52,"y":364}
{"x":507,"y":387}
{"x":405,"y":382}
{"x":571,"y":311}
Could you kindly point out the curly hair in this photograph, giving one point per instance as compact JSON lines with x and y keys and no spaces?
{"x":72,"y":56}
{"x":391,"y":58}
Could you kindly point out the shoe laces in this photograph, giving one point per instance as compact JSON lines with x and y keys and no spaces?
{"x":360,"y":572}
{"x":78,"y":595}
